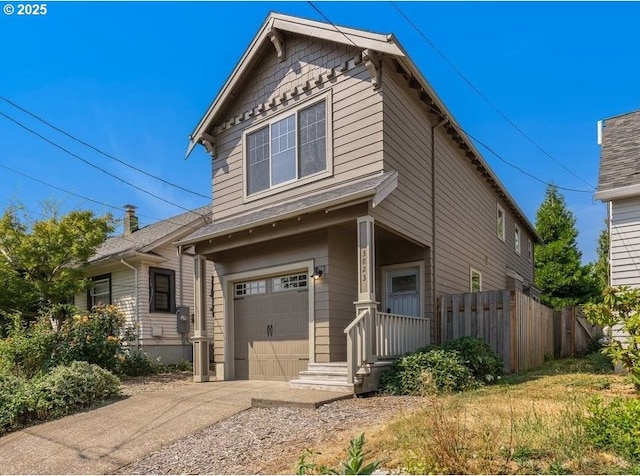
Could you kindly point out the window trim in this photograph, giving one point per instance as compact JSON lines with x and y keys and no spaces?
{"x":473,"y":271}
{"x":271,"y":119}
{"x":93,"y":281}
{"x":517,"y":238}
{"x":529,"y":250}
{"x":501,"y":235}
{"x":172,"y":290}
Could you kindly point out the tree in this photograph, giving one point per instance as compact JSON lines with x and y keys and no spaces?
{"x":601,"y":266}
{"x":42,"y":261}
{"x":558,"y":270}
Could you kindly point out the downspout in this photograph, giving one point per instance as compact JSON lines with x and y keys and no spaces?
{"x":434,"y":287}
{"x":137,"y":312}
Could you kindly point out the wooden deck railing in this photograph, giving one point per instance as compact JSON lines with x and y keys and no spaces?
{"x":394,"y":335}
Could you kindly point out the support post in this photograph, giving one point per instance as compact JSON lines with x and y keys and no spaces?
{"x":366,"y":284}
{"x":200,"y":339}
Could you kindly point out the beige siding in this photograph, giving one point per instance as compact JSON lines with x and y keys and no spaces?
{"x":122,"y":291}
{"x":407,"y":149}
{"x":356,"y":119}
{"x":625,"y":242}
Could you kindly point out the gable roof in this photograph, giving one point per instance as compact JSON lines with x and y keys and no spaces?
{"x":385,"y":44}
{"x":144,"y":240}
{"x":619,"y":174}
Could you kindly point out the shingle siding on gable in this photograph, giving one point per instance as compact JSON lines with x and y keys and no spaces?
{"x":620,"y":155}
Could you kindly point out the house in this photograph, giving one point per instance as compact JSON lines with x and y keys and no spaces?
{"x":619,"y":187}
{"x":142,"y":274}
{"x":346,"y":200}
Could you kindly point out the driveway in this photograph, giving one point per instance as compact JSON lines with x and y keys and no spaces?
{"x":101,"y":440}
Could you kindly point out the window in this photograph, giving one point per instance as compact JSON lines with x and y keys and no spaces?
{"x":162,"y":290}
{"x":530,"y":250}
{"x":500,"y":222}
{"x":475,"y":280}
{"x":516,"y":239}
{"x":251,"y":287}
{"x":287,"y":149}
{"x":99,"y":291}
{"x":297,"y":281}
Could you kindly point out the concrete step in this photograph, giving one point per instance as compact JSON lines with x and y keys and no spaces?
{"x":323,"y":375}
{"x":328,"y":367}
{"x":325,"y":386}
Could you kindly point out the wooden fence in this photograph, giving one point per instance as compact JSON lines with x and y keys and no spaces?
{"x":516,"y":327}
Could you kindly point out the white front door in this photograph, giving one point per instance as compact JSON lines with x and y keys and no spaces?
{"x":402,"y":295}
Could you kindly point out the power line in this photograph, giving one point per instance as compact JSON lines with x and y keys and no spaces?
{"x":105,"y":154}
{"x":486,"y":99}
{"x":91,"y":164}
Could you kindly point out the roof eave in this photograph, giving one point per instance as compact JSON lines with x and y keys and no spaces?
{"x":618,"y":193}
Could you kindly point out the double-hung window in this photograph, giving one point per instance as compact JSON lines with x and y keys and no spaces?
{"x":162,"y":290}
{"x":99,"y":291}
{"x":289,"y":148}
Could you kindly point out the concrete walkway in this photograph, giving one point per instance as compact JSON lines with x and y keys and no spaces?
{"x":101,"y":440}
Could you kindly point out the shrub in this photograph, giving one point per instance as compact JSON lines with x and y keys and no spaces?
{"x":426,"y":371}
{"x":485,"y":365}
{"x":14,"y":400}
{"x":615,"y":427}
{"x":134,"y":364}
{"x":68,"y":388}
{"x":28,"y":350}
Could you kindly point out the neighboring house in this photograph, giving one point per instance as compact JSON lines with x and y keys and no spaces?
{"x":142,"y":274}
{"x":619,"y":187}
{"x":346,"y":197}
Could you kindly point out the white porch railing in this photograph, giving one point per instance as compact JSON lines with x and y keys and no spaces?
{"x":393,"y":335}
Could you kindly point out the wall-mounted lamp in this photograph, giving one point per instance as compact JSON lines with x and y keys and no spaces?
{"x":318,"y":272}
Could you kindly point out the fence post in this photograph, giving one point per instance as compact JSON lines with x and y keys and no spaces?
{"x":513,"y":331}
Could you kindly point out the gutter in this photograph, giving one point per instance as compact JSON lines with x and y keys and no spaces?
{"x":137,"y":307}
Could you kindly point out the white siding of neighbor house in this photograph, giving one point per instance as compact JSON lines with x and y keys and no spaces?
{"x":355,"y":114}
{"x":122,"y":286}
{"x":625,"y":242}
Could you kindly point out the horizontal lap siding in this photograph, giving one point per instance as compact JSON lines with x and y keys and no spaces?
{"x":407,"y":145}
{"x":466,"y":226}
{"x":122,"y":292}
{"x":625,"y":242}
{"x":356,"y":110}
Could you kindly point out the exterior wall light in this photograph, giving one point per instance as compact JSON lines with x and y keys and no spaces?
{"x":318,"y":272}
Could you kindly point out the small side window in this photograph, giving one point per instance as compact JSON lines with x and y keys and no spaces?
{"x":475,"y":280}
{"x":530,"y":250}
{"x":500,"y":222}
{"x":516,"y":240}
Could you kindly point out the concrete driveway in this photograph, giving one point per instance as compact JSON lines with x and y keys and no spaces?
{"x":101,"y":440}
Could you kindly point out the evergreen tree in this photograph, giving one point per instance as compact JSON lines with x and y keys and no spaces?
{"x":559,"y":271}
{"x":601,"y":266}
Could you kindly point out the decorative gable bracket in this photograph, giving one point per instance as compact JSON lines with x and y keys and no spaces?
{"x":278,"y":42}
{"x":207,"y":140}
{"x":373,"y":64}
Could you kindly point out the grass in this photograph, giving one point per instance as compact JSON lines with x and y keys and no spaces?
{"x":530,"y":423}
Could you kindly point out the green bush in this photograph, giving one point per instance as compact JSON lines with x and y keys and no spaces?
{"x":485,"y":365}
{"x":615,"y":427}
{"x":134,"y":364}
{"x":14,"y":400}
{"x":425,"y":371}
{"x":28,"y":350}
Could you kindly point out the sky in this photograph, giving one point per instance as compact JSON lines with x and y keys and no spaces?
{"x":133,"y":79}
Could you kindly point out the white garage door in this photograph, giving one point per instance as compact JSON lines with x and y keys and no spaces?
{"x":271,"y":327}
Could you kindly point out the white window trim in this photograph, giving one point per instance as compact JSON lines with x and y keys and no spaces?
{"x":328,"y":172}
{"x":517,"y":243}
{"x":471,"y":272}
{"x":500,"y":210}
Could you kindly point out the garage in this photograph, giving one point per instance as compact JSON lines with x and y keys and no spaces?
{"x":271,"y":327}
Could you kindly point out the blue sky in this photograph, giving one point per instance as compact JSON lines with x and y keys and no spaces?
{"x":133,"y":79}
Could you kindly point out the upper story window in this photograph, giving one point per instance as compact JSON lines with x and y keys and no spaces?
{"x":288,"y":149}
{"x":530,"y":250}
{"x":99,"y":291}
{"x":500,"y":222}
{"x":162,"y":290}
{"x":516,"y":239}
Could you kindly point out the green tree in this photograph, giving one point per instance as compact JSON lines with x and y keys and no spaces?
{"x":42,"y":261}
{"x":558,"y":270}
{"x":601,"y":266}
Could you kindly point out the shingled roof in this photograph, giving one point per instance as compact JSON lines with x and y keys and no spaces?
{"x":620,"y":157}
{"x":151,"y":236}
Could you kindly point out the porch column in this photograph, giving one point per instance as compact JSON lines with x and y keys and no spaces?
{"x":200,"y":339}
{"x":367,"y":283}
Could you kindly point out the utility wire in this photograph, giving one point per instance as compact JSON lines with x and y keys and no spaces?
{"x":486,"y":99}
{"x":100,"y":151}
{"x":91,"y":164}
{"x":510,"y":164}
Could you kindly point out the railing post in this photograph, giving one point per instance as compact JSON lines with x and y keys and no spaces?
{"x":366,"y":284}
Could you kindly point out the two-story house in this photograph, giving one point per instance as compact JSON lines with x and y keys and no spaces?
{"x":346,"y":199}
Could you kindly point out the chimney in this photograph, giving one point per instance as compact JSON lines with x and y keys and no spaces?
{"x":130,"y":219}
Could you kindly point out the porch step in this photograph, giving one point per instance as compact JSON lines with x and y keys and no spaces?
{"x":328,"y":377}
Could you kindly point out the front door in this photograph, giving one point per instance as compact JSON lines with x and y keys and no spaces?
{"x":402,"y":295}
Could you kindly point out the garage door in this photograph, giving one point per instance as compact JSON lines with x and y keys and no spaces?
{"x":271,"y":327}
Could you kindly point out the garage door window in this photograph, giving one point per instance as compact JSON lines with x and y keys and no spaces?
{"x":295,"y":281}
{"x":251,"y":287}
